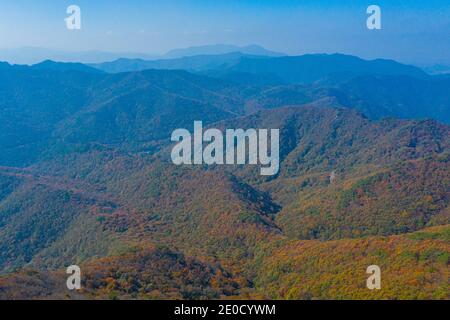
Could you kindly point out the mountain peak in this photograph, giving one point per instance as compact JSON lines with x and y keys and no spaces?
{"x":64,"y":66}
{"x":221,"y":49}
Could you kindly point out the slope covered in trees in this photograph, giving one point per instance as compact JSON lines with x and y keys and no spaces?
{"x":414,"y":266}
{"x":86,"y":179}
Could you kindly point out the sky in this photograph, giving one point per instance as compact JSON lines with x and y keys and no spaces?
{"x":412,"y":31}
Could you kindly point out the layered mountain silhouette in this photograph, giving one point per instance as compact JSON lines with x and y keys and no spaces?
{"x":219,"y":49}
{"x":86,"y":178}
{"x":33,"y":55}
{"x":291,"y":69}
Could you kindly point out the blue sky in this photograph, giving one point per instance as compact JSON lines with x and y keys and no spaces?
{"x":413,"y":31}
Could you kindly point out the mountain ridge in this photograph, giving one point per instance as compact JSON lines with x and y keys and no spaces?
{"x":86,"y":178}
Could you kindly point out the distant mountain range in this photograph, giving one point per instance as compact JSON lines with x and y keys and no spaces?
{"x":288,"y":69}
{"x":438,"y":69}
{"x":86,"y":178}
{"x":219,"y":49}
{"x":192,"y":63}
{"x":378,"y":88}
{"x":33,"y":55}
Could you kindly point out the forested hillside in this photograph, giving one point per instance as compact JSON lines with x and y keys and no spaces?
{"x":86,"y":178}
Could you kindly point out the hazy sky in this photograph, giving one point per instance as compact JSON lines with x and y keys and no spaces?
{"x":413,"y":31}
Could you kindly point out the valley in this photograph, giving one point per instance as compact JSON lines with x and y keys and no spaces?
{"x":86,"y":178}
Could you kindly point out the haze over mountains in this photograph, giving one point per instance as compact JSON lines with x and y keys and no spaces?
{"x":294,"y":69}
{"x":218,"y":49}
{"x":86,"y":178}
{"x":33,"y":55}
